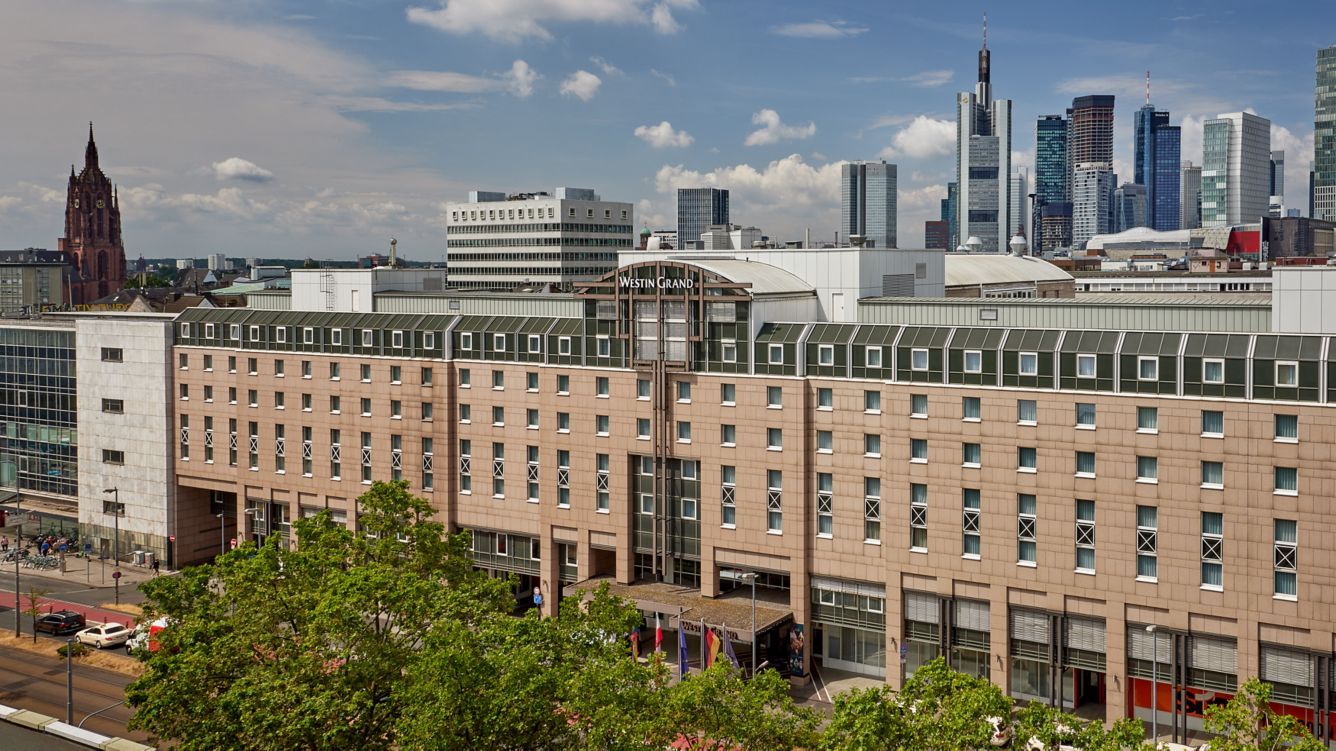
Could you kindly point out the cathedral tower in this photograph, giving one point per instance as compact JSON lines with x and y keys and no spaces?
{"x":92,"y":240}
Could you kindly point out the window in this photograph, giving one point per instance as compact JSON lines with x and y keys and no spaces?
{"x":428,"y":410}
{"x":872,"y":509}
{"x":918,"y":405}
{"x":1213,"y":475}
{"x":683,"y":391}
{"x":113,"y":406}
{"x":602,"y":484}
{"x":396,"y":374}
{"x":366,"y":407}
{"x":728,"y":435}
{"x":428,"y":340}
{"x":825,"y":515}
{"x":252,"y":365}
{"x":1085,"y":366}
{"x":185,"y":392}
{"x":253,"y":447}
{"x":728,"y":476}
{"x":872,"y":445}
{"x":973,"y":361}
{"x":465,"y":378}
{"x":465,"y":413}
{"x":918,"y":359}
{"x":1287,"y":374}
{"x":563,"y":422}
{"x":428,"y":462}
{"x":825,"y":354}
{"x":825,"y":399}
{"x":498,"y":342}
{"x":872,"y":402}
{"x":231,"y":363}
{"x":208,"y":363}
{"x":774,"y":397}
{"x":253,"y":397}
{"x":535,"y":344}
{"x":970,"y":522}
{"x":918,"y":450}
{"x":498,"y":470}
{"x":918,"y":517}
{"x":603,"y":346}
{"x":683,"y":431}
{"x":1085,"y":415}
{"x":208,"y":439}
{"x":1029,"y":363}
{"x":563,"y":385}
{"x":1085,"y":463}
{"x":825,"y":441}
{"x":1147,"y":543}
{"x":531,"y":419}
{"x":728,"y":394}
{"x":563,"y":345}
{"x":774,"y":502}
{"x":1212,"y":423}
{"x":873,"y":356}
{"x":970,"y":408}
{"x":231,"y":394}
{"x":466,"y":466}
{"x":498,"y":380}
{"x":334,"y":371}
{"x":728,"y":350}
{"x":466,"y":340}
{"x":306,"y":369}
{"x":1287,"y":428}
{"x":1287,"y":481}
{"x":232,"y":443}
{"x":1213,"y":371}
{"x":368,"y":338}
{"x":971,"y":453}
{"x":336,"y":337}
{"x":1027,"y":527}
{"x":642,"y":428}
{"x":183,"y":361}
{"x":1148,"y":368}
{"x":498,"y":416}
{"x":532,"y":474}
{"x":280,"y":400}
{"x":1027,"y":412}
{"x":1148,"y":420}
{"x":426,"y":376}
{"x":1148,"y":469}
{"x":112,"y":456}
{"x":1285,"y":556}
{"x":601,"y":386}
{"x":1026,"y":459}
{"x":234,"y":331}
{"x":601,"y":425}
{"x":775,"y":354}
{"x":208,"y":393}
{"x":1085,"y":537}
{"x":1212,"y":550}
{"x":774,"y":439}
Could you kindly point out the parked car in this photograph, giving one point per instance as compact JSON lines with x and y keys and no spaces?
{"x":61,"y":623}
{"x":106,"y":635}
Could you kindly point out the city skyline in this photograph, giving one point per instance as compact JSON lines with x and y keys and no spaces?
{"x":298,"y":129}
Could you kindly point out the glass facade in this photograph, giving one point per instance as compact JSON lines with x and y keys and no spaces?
{"x":697,"y":209}
{"x":1323,"y":189}
{"x":38,"y":411}
{"x":1050,"y":166}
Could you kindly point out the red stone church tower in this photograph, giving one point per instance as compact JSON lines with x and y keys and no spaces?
{"x":92,"y":240}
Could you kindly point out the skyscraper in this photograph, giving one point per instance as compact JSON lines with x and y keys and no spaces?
{"x":1089,"y":132}
{"x":1276,"y":206}
{"x":1129,"y":207}
{"x":697,"y":209}
{"x":1092,"y":201}
{"x":1051,"y":184}
{"x":1323,"y":184}
{"x":983,"y":161}
{"x":1236,"y":168}
{"x":1156,"y":165}
{"x":1190,"y":196}
{"x":867,"y":202}
{"x":1020,"y":190}
{"x":952,"y":204}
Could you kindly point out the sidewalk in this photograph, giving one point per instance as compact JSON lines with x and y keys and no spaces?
{"x":51,"y":605}
{"x":90,"y":572}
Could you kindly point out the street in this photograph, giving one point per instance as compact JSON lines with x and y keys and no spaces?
{"x":37,"y":683}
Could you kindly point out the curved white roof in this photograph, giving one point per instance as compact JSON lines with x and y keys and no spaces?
{"x":765,"y":279}
{"x":970,"y":270}
{"x":1140,"y":235}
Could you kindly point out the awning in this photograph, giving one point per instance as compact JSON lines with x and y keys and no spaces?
{"x":676,"y":604}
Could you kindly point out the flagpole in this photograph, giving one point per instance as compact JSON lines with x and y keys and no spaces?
{"x":702,"y":643}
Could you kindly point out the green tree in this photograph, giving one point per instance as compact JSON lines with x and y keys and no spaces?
{"x":1052,"y":726}
{"x":1247,"y":723}
{"x":34,"y":609}
{"x":305,"y":648}
{"x":146,"y":280}
{"x":718,"y":710}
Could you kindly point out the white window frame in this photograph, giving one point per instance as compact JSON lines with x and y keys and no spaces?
{"x":1147,"y":546}
{"x":1291,"y":366}
{"x":1209,"y":362}
{"x":563,"y":345}
{"x":498,"y":342}
{"x":336,"y":337}
{"x":466,"y":340}
{"x":825,"y":355}
{"x":1285,"y":559}
{"x":977,"y":355}
{"x":281,"y":334}
{"x":914,"y":357}
{"x":1021,"y":369}
{"x":728,"y":350}
{"x":1154,"y":362}
{"x":775,"y":354}
{"x":1081,"y":359}
{"x":397,"y":339}
{"x":535,"y":344}
{"x":1213,"y":553}
{"x":368,"y":338}
{"x":871,"y":353}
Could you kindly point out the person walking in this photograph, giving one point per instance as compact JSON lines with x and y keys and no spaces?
{"x":157,"y":565}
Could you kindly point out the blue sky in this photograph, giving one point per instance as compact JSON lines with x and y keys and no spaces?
{"x":302,"y":128}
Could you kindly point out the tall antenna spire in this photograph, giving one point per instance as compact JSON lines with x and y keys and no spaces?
{"x":985,"y":29}
{"x":1148,"y":86}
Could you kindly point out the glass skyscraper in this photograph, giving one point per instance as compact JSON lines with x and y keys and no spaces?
{"x":1050,"y":168}
{"x":983,"y":163}
{"x":1323,"y":184}
{"x":697,"y":209}
{"x":38,"y":412}
{"x":867,"y":202}
{"x":1156,"y":165}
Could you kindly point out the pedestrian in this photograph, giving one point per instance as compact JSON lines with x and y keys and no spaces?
{"x":156,"y":566}
{"x":4,"y":544}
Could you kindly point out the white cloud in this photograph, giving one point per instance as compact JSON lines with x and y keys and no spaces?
{"x":1189,"y":145}
{"x":1024,"y":159}
{"x":922,"y":138}
{"x":773,"y":130}
{"x":663,"y":136}
{"x":518,"y":81}
{"x":517,"y":20}
{"x":581,"y":84}
{"x":608,"y":68}
{"x":381,"y":104}
{"x":648,"y":215}
{"x":929,"y":78}
{"x":818,"y":30}
{"x":663,"y":77}
{"x":236,"y":168}
{"x":8,"y":203}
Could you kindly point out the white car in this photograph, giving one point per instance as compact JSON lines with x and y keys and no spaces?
{"x":105,"y":635}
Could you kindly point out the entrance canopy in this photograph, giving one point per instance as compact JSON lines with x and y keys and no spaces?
{"x":683,"y":607}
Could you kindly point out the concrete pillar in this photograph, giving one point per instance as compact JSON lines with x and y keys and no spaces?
{"x":548,"y":573}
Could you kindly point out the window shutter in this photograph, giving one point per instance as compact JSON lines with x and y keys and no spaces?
{"x":1213,"y":653}
{"x":972,"y":614}
{"x":1140,"y":645}
{"x":921,"y":607}
{"x":1029,"y":625}
{"x":1086,"y":634}
{"x":1282,"y":665}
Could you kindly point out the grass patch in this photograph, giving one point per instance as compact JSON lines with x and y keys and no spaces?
{"x":117,"y":662}
{"x":134,"y":610}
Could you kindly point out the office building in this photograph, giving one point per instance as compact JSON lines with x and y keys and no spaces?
{"x":1020,"y":196}
{"x":868,"y":203}
{"x":936,"y":235}
{"x":1276,"y":201}
{"x":1051,"y":177}
{"x":1056,"y":225}
{"x":218,"y":262}
{"x":983,"y":163}
{"x":730,"y":237}
{"x":1236,"y":166}
{"x":1129,"y":207}
{"x":1089,"y":132}
{"x":506,"y":241}
{"x":951,"y":213}
{"x":1190,"y":196}
{"x":1322,"y":181}
{"x":1156,"y":166}
{"x":697,"y":210}
{"x":32,"y":279}
{"x":1092,"y":202}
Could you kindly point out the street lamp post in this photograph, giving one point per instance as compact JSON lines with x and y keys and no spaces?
{"x":69,"y":681}
{"x":222,"y":532}
{"x":1154,"y":686}
{"x":116,"y":512}
{"x":18,"y":544}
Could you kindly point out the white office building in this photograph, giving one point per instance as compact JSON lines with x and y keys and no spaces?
{"x":1092,"y":202}
{"x":1236,"y":169}
{"x":868,"y":203}
{"x":507,"y":241}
